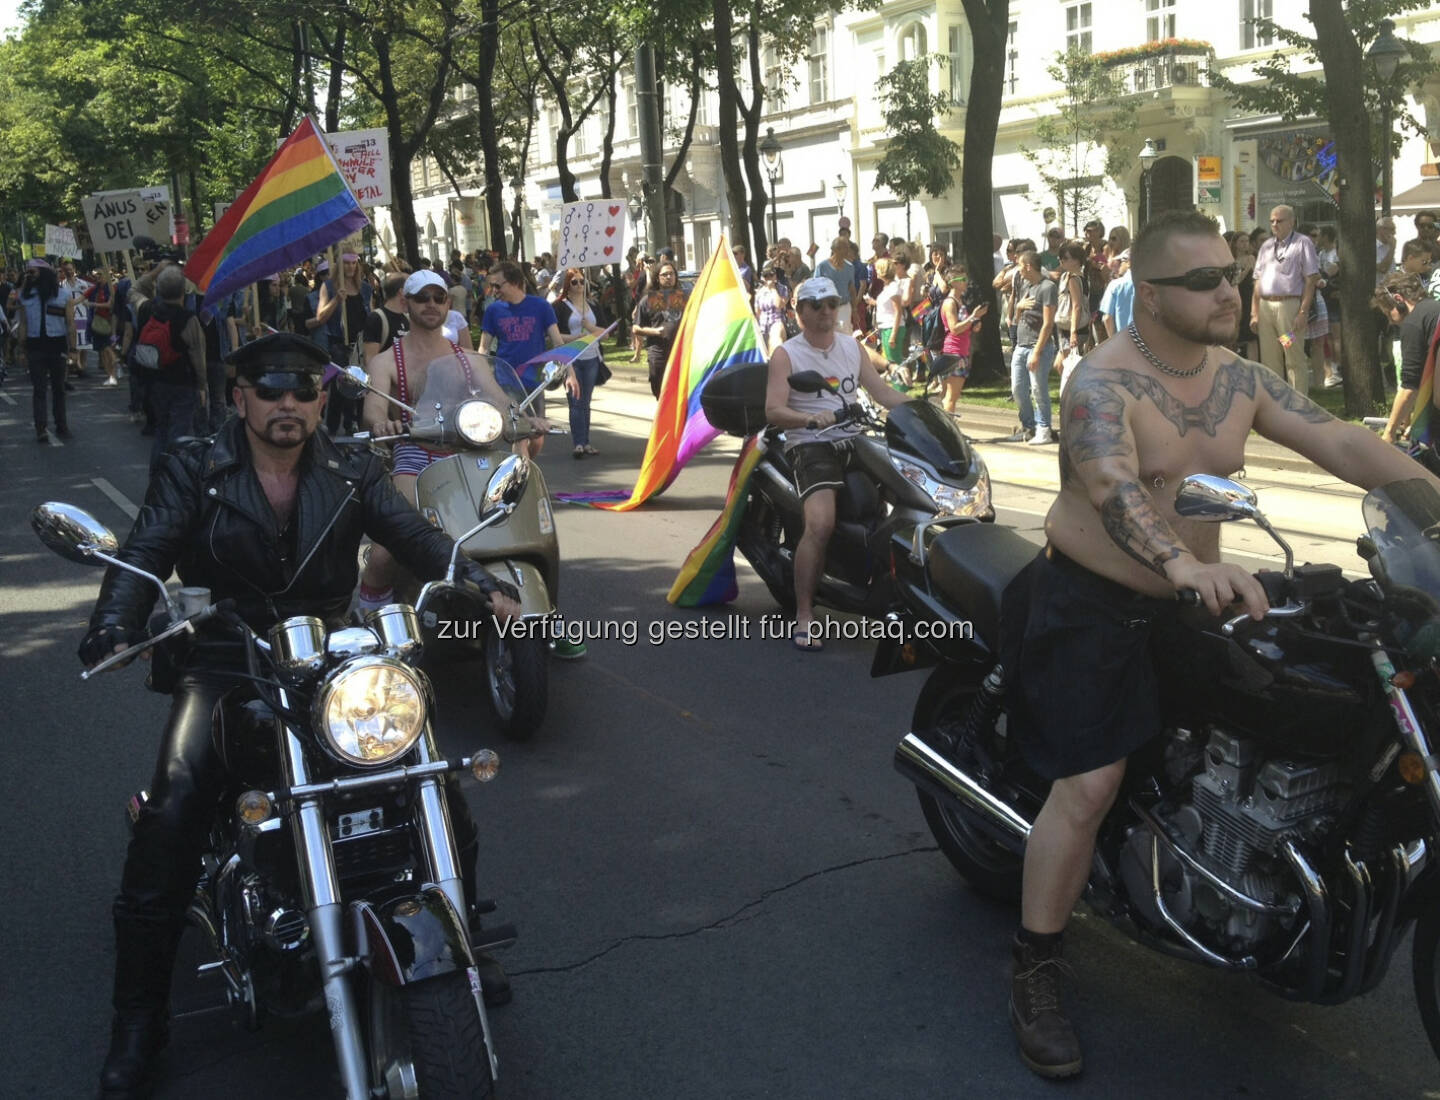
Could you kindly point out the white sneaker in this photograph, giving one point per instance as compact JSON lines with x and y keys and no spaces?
{"x":110,"y":382}
{"x":1333,"y":380}
{"x":1041,"y":436}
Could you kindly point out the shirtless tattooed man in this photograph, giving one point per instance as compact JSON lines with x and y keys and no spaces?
{"x":1162,"y":400}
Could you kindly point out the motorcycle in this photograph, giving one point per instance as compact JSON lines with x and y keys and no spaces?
{"x":522,"y":549}
{"x":913,"y":467}
{"x":331,"y":881}
{"x":1282,"y":822}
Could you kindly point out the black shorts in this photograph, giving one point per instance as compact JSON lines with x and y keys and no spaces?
{"x":819,"y":465}
{"x":1077,"y":649}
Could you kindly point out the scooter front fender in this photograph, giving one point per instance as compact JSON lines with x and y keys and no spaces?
{"x":408,"y":937}
{"x":529,"y":581}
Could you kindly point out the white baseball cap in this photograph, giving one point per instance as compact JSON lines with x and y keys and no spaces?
{"x":419,"y":280}
{"x":816,"y":290}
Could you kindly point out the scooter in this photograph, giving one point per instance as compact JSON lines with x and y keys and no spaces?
{"x":522,"y":549}
{"x":913,"y":468}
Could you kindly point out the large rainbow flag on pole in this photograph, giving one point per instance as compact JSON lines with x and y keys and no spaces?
{"x":716,"y":331}
{"x":299,"y":205}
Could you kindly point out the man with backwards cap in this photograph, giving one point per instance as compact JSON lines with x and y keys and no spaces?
{"x":818,"y":449}
{"x":268,"y":513}
{"x":402,"y":371}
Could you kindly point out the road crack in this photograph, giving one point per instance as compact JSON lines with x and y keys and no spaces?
{"x":739,"y":916}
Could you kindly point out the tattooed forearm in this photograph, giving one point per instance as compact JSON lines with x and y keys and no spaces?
{"x":1291,"y":400}
{"x":1131,"y":519}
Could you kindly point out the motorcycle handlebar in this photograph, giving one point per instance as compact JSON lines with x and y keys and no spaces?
{"x":221,"y":608}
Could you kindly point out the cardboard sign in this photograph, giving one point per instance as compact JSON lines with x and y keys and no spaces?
{"x":114,"y":219}
{"x":60,"y":241}
{"x":592,"y":233}
{"x":364,"y":159}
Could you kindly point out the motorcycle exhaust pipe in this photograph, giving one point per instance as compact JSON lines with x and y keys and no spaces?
{"x":931,"y":772}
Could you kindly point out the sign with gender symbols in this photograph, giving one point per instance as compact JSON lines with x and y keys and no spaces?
{"x":591,"y":233}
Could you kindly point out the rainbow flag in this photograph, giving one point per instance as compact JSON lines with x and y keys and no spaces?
{"x":708,"y":575}
{"x":1422,"y":425}
{"x":566,"y":353}
{"x":717,"y":330}
{"x":297,"y":206}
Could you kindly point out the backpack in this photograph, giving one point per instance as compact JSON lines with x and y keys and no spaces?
{"x":932,"y":325}
{"x":156,"y":346}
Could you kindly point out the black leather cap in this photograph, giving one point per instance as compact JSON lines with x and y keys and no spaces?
{"x":282,"y":361}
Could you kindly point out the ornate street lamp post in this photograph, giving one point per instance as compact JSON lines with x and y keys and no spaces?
{"x":1147,"y":161}
{"x":841,"y":190}
{"x":770,"y":154}
{"x":636,"y":206}
{"x":1387,"y":52}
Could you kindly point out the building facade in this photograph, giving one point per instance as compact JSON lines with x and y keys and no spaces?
{"x":827,"y":115}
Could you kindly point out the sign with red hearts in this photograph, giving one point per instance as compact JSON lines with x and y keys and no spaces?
{"x":591,"y":233}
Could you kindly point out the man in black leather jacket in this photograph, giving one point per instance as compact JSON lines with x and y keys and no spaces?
{"x":268,"y":513}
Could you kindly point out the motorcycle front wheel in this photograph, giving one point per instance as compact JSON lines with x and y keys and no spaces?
{"x":517,"y":674}
{"x":988,"y":866}
{"x":427,"y":1040}
{"x":1425,"y":968}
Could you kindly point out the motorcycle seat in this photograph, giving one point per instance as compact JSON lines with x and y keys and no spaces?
{"x":859,"y":500}
{"x":971,"y":564}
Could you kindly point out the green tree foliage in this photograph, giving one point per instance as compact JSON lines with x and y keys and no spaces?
{"x":918,"y":158}
{"x":1086,"y":138}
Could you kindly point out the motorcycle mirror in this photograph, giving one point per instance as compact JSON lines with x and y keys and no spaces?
{"x":506,"y":484}
{"x":353,"y":381}
{"x":1214,"y":499}
{"x":809,"y":381}
{"x":73,"y":533}
{"x":554,"y":374}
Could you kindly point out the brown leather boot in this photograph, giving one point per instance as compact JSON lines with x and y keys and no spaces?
{"x":1048,"y":1043}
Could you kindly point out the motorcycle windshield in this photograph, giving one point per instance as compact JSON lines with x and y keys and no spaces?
{"x":1403,"y":519}
{"x":446,"y":384}
{"x":923,"y":430}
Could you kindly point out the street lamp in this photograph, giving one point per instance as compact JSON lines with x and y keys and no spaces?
{"x":518,"y":186}
{"x":1147,"y":161}
{"x":841,"y":190}
{"x":1386,"y":51}
{"x":636,"y":206}
{"x":770,"y":154}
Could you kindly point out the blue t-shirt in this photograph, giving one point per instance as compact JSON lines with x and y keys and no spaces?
{"x":519,"y":332}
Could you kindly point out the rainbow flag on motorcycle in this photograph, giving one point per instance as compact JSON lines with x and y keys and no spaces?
{"x":717,"y":330}
{"x":708,"y":575}
{"x":298,"y":205}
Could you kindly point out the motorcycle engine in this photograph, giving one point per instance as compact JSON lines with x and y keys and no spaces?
{"x":1243,"y":806}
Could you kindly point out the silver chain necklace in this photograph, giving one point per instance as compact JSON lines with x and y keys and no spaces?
{"x":1160,"y":364}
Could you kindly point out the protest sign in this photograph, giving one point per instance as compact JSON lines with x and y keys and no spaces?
{"x":364,"y":159}
{"x":114,"y":219}
{"x":60,"y":241}
{"x":592,"y":233}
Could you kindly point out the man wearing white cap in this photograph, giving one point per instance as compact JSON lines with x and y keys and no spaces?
{"x":403,"y":371}
{"x":818,"y":449}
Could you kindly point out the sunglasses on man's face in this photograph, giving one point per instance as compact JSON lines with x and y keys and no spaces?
{"x":823,"y":303}
{"x":304,"y":393}
{"x":1201,"y":278}
{"x":434,"y":297}
{"x":577,"y":282}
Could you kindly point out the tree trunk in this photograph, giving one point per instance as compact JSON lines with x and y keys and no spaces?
{"x":989,"y":22}
{"x":729,"y":94}
{"x":1344,"y":66}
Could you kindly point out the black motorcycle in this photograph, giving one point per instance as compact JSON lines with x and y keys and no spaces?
{"x":914,"y":467}
{"x":1282,"y":821}
{"x":332,"y":879}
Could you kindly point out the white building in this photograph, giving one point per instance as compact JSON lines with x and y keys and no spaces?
{"x":827,"y":117}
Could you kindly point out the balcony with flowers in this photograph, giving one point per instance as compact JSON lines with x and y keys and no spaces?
{"x":1167,"y":63}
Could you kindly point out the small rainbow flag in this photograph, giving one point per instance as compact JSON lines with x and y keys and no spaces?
{"x":708,"y":575}
{"x":717,"y":330}
{"x":566,"y":353}
{"x":1423,"y":426}
{"x":297,"y":206}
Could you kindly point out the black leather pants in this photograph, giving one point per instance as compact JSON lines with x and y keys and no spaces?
{"x":162,"y":864}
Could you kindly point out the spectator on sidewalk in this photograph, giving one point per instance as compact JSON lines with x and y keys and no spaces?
{"x":1287,"y":276}
{"x":46,"y":332}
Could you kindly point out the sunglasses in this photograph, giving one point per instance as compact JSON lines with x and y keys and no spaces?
{"x":1201,"y":278}
{"x":577,"y":282}
{"x":305,"y":393}
{"x":822,"y":303}
{"x":434,"y":297}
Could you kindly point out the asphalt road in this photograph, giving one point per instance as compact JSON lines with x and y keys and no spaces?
{"x":722,"y":887}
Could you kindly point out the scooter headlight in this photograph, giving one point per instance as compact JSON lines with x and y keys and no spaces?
{"x":371,"y":710}
{"x":478,"y":422}
{"x":950,"y":500}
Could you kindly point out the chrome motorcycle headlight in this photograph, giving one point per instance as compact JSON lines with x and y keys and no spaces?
{"x":371,"y":710}
{"x":950,"y":500}
{"x":478,"y":422}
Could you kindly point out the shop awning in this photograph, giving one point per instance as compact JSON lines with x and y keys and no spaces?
{"x":1424,"y":196}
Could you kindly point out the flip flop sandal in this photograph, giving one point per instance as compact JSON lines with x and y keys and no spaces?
{"x":807,"y":640}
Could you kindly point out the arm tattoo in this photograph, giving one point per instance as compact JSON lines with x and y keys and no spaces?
{"x":1291,"y":400}
{"x":1131,"y":519}
{"x":1093,"y":416}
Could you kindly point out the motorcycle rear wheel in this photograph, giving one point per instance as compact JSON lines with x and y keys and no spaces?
{"x":517,"y":676}
{"x":447,"y":1040}
{"x":1425,"y":969}
{"x":760,"y":536}
{"x":988,"y":866}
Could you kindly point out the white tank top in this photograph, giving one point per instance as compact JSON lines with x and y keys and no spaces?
{"x":840,"y":366}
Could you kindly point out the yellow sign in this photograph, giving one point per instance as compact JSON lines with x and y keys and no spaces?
{"x":1208,"y":179}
